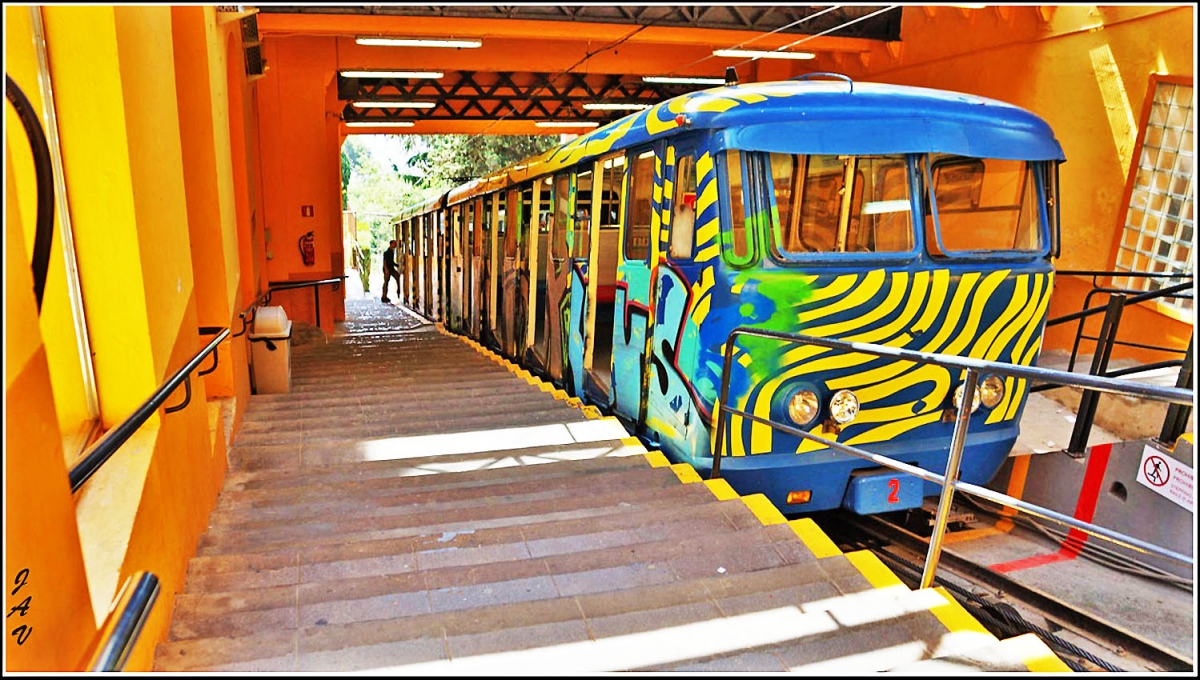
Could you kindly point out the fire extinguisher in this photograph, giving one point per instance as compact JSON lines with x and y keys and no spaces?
{"x":306,"y":249}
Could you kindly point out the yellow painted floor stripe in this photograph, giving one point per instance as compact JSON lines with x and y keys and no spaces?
{"x":764,"y":509}
{"x":631,"y":441}
{"x":657,"y":459}
{"x":954,"y":617}
{"x":876,"y":572}
{"x":721,"y":489}
{"x":972,"y":534}
{"x":814,"y":538}
{"x":686,"y":473}
{"x":1016,"y":488}
{"x":1037,"y":656}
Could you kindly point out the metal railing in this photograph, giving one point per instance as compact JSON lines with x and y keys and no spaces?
{"x":124,"y":622}
{"x":949,"y":482}
{"x":1106,"y":339}
{"x":276,"y":286}
{"x":99,"y":453}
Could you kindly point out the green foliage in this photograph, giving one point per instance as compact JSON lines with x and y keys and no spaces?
{"x":449,"y":160}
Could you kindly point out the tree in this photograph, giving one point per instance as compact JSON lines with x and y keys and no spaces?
{"x":449,"y":160}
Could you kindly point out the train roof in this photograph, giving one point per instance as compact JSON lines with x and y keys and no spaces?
{"x":811,"y":117}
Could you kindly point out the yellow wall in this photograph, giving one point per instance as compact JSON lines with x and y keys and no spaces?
{"x":154,"y":199}
{"x":57,"y":320}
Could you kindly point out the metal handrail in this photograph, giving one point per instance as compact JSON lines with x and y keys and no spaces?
{"x":99,"y":453}
{"x":124,"y":623}
{"x":949,"y":482}
{"x":276,"y":286}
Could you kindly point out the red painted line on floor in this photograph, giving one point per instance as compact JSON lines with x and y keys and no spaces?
{"x":1085,"y":510}
{"x":1029,"y":562}
{"x":1085,"y":507}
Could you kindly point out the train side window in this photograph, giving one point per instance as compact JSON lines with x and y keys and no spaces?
{"x":545,"y":211}
{"x":640,"y":207}
{"x":583,"y":214}
{"x":613,"y":170}
{"x":560,"y":246}
{"x":683,"y":209}
{"x":737,"y":243}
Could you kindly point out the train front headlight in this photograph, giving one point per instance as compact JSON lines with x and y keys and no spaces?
{"x":958,"y":398}
{"x":843,"y":406}
{"x":803,"y":407}
{"x":991,"y":391}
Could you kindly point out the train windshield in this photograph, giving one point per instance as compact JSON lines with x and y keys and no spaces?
{"x":982,"y":205}
{"x":809,"y":213}
{"x":821,"y":204}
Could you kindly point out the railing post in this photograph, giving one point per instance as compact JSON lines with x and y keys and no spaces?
{"x":719,"y":445}
{"x":957,"y":442}
{"x":1177,"y":414}
{"x":317,"y":303}
{"x":1091,"y":398}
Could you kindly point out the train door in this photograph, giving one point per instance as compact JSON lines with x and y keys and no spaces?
{"x":443,"y":286}
{"x":528,"y":275}
{"x":579,"y":316}
{"x":424,"y":238}
{"x":509,"y":286}
{"x":673,"y":341}
{"x":605,"y":248}
{"x":470,"y":271}
{"x":633,"y":283}
{"x":558,"y":264}
{"x":454,"y":282}
{"x":495,"y":260}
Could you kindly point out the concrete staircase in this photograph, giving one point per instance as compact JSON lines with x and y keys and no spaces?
{"x":418,"y":505}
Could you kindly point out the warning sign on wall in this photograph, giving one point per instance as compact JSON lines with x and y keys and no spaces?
{"x":1169,"y":477}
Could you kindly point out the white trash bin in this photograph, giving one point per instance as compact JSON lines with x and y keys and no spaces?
{"x":271,"y":351}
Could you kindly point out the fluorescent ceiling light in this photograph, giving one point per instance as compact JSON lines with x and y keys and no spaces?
{"x":613,"y":106}
{"x":684,"y":80}
{"x":394,"y":105}
{"x":392,"y":74}
{"x":382,"y":123}
{"x":764,"y":54}
{"x":566,"y":123}
{"x":382,"y":41}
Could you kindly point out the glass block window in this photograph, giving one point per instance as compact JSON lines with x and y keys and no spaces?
{"x":1160,"y":224}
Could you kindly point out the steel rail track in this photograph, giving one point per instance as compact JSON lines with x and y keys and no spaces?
{"x":1085,"y":624}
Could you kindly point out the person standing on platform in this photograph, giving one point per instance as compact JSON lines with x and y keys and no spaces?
{"x":389,"y":270}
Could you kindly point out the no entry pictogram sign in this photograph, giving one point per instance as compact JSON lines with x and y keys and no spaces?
{"x":1168,"y":477}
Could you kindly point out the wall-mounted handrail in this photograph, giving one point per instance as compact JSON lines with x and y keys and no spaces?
{"x":335,"y":282}
{"x":44,"y":175}
{"x":124,"y":623}
{"x":949,"y":481}
{"x":98,"y":453}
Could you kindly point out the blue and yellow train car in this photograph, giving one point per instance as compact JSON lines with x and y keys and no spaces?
{"x":617,"y":265}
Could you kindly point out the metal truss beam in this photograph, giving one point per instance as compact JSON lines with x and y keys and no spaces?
{"x":474,"y":95}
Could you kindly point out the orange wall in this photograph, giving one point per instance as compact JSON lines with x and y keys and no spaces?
{"x":39,"y":514}
{"x":57,"y":319}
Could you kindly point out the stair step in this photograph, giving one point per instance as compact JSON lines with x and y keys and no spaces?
{"x":647,"y":499}
{"x":544,"y":539}
{"x":380,"y":500}
{"x":261,"y":486}
{"x":469,"y":577}
{"x":366,"y":644}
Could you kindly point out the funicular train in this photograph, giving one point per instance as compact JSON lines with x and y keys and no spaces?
{"x":617,"y":264}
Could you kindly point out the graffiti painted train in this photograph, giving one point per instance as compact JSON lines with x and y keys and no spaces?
{"x":617,"y":264}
